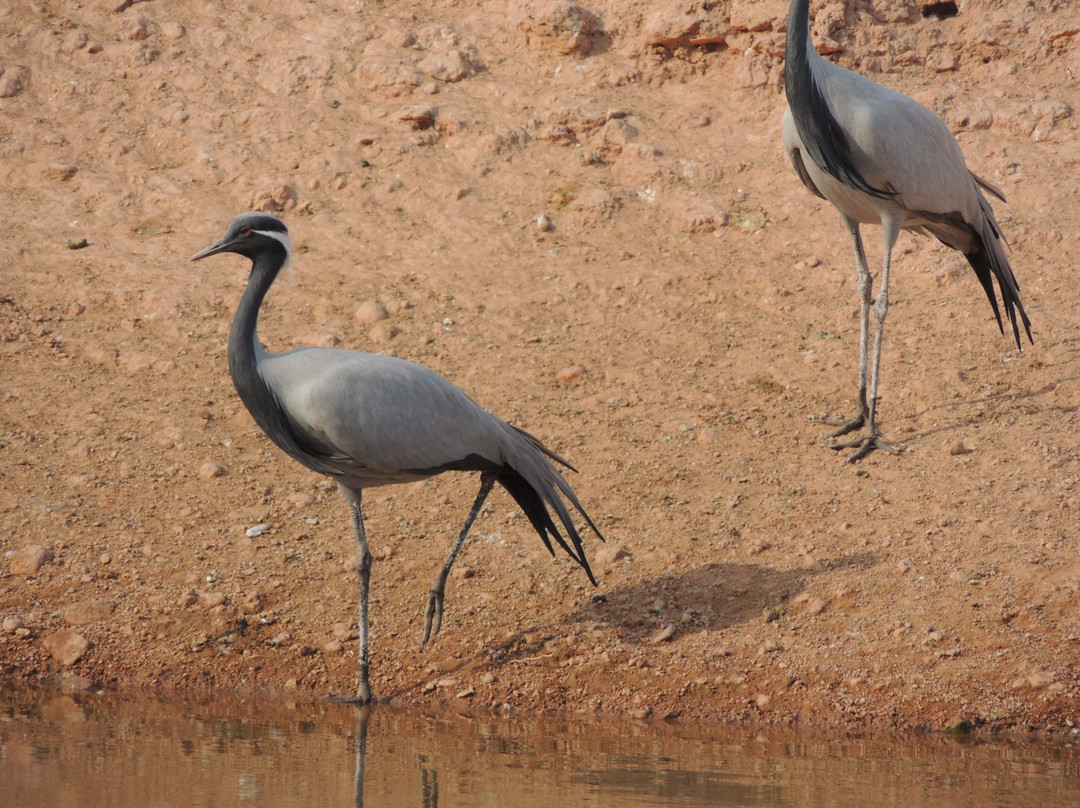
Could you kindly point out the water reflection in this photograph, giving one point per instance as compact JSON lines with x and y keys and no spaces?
{"x":117,"y":752}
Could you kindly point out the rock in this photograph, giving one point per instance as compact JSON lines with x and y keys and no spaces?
{"x":12,"y":624}
{"x":211,"y":471}
{"x":958,"y":725}
{"x":188,"y":598}
{"x":61,"y":171}
{"x":66,"y":647}
{"x":1041,"y":678}
{"x":452,"y":66}
{"x":173,"y":30}
{"x":257,"y":530}
{"x":29,"y":559}
{"x":334,"y":647}
{"x":758,"y":15}
{"x":570,"y":375}
{"x":138,"y":28}
{"x":463,"y":572}
{"x":70,"y":683}
{"x":211,"y":600}
{"x":670,"y":29}
{"x":383,"y":332}
{"x":957,"y":447}
{"x":664,"y":634}
{"x":300,"y":499}
{"x":370,"y":311}
{"x":560,"y":27}
{"x":342,"y":632}
{"x":13,"y":80}
{"x":419,"y":116}
{"x":89,"y":611}
{"x":609,"y":554}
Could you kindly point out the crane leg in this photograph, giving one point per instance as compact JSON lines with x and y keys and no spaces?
{"x":434,"y":611}
{"x":865,"y":286}
{"x":363,"y":569}
{"x":868,"y":405}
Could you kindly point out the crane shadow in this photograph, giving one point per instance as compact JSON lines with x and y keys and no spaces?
{"x":711,"y":597}
{"x":997,"y":405}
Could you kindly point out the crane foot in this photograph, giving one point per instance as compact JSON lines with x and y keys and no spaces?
{"x":432,"y":615}
{"x":865,"y":446}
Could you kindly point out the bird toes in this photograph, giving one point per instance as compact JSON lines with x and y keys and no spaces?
{"x":864,"y":447}
{"x":846,"y":427}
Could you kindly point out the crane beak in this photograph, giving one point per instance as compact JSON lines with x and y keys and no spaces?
{"x":219,"y":246}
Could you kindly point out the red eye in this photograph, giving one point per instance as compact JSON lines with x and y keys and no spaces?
{"x":246,"y":231}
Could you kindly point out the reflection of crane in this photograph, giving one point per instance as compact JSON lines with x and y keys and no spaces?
{"x":367,"y":420}
{"x":882,"y":158}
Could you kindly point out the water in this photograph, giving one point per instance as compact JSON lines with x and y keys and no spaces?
{"x":60,"y":751}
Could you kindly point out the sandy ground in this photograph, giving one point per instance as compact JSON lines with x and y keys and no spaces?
{"x":584,"y":217}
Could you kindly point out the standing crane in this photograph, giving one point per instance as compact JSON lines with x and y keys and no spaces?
{"x":882,"y":158}
{"x":366,"y":420}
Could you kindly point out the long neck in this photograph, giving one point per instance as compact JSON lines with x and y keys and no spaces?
{"x":245,"y":351}
{"x":802,"y":91}
{"x":822,"y":135}
{"x":798,"y":47}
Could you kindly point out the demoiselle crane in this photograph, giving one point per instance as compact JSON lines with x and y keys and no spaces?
{"x":366,"y":420}
{"x":882,"y":158}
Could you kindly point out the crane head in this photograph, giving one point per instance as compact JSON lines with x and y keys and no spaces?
{"x":251,"y":234}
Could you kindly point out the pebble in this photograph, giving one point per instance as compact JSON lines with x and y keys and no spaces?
{"x":66,"y":647}
{"x":371,"y":311}
{"x":188,"y":598}
{"x":211,"y":471}
{"x":29,"y":559}
{"x":333,"y":647}
{"x":257,"y":530}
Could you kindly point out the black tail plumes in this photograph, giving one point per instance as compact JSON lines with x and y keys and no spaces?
{"x":532,"y":503}
{"x":989,"y":261}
